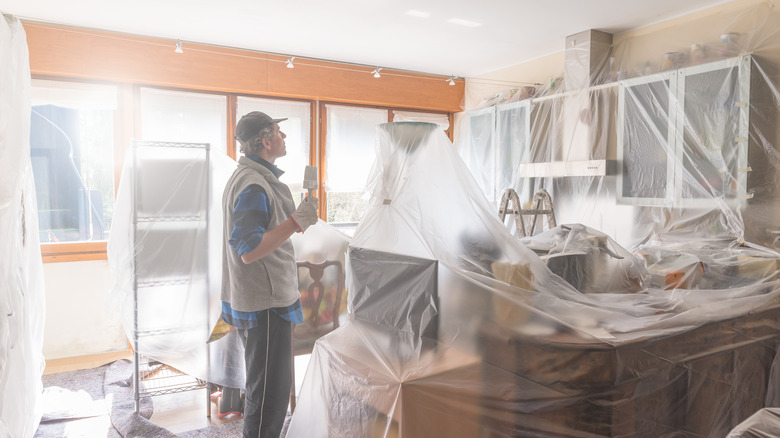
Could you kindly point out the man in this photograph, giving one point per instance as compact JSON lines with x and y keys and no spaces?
{"x":259,"y":275}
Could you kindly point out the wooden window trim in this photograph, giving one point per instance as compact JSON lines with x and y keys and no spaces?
{"x":232,"y":120}
{"x":74,"y":251}
{"x":94,"y":250}
{"x":323,"y":132}
{"x":137,"y":59}
{"x":133,"y":61}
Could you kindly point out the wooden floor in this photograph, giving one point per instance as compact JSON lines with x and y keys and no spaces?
{"x":55,"y":366}
{"x":179,"y":412}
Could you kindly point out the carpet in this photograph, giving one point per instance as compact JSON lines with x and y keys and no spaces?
{"x":98,"y":402}
{"x":74,"y":405}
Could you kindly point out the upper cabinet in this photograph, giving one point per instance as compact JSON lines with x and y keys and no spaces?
{"x":677,"y":138}
{"x":513,"y":132}
{"x":683,"y":136}
{"x":567,"y":134}
{"x":496,"y":143}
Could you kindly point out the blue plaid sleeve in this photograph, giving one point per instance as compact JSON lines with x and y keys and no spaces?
{"x":250,"y":219}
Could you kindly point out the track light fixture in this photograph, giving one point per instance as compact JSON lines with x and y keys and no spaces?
{"x":451,"y":80}
{"x":178,"y":47}
{"x":290,"y":63}
{"x":376,"y":72}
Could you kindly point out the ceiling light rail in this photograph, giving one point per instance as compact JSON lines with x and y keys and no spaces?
{"x":179,"y":48}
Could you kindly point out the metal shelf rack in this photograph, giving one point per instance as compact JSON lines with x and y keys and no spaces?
{"x":170,"y":268}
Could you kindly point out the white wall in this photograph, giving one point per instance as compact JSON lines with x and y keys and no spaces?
{"x":80,"y":319}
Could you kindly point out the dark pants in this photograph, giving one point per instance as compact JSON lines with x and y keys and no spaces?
{"x":267,"y":351}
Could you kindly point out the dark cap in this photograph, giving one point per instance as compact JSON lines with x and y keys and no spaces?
{"x":252,"y":123}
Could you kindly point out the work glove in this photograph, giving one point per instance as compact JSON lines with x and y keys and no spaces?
{"x":306,"y":214}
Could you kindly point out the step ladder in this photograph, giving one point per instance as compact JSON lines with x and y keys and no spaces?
{"x":525,"y":219}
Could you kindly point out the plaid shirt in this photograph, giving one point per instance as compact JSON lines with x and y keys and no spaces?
{"x":250,"y":222}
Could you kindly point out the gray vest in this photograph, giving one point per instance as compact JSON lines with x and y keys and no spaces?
{"x":271,"y":281}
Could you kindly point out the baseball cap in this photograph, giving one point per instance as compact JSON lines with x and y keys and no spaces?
{"x":252,"y":123}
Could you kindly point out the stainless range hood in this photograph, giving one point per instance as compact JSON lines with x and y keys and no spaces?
{"x":582,"y":114}
{"x":587,"y":64}
{"x":586,"y":59}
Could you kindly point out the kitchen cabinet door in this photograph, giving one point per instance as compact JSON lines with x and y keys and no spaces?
{"x":513,"y":125}
{"x":682,"y":138}
{"x":477,"y":148}
{"x":496,"y":143}
{"x":646,"y":139}
{"x":714,"y":123}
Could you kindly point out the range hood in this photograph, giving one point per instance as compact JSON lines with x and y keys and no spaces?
{"x":586,"y":59}
{"x":586,"y":143}
{"x":587,"y":64}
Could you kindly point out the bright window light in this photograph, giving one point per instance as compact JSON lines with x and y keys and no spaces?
{"x":72,"y":155}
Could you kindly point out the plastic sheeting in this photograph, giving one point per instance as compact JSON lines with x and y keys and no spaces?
{"x":675,"y":131}
{"x":22,"y":299}
{"x":565,"y":333}
{"x":652,"y":311}
{"x":764,"y":423}
{"x":167,"y":262}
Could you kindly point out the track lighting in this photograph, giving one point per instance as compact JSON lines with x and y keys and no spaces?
{"x":376,"y":72}
{"x":178,"y":47}
{"x":451,"y":80}
{"x":290,"y":63}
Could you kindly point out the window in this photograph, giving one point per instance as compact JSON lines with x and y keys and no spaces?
{"x":74,"y":141}
{"x":350,"y":150}
{"x":72,"y":153}
{"x":297,"y":127}
{"x":184,"y":117}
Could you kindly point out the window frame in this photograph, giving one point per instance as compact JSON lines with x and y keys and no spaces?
{"x":323,"y":147}
{"x":127,"y":126}
{"x":97,"y":249}
{"x":233,"y":143}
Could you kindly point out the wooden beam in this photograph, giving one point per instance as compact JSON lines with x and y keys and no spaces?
{"x":69,"y":52}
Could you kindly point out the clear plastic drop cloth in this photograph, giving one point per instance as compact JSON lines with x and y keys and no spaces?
{"x":458,"y":327}
{"x":764,"y":423}
{"x":22,"y":294}
{"x":165,"y":254}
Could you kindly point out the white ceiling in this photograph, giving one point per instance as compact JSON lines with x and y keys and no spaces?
{"x":377,"y":33}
